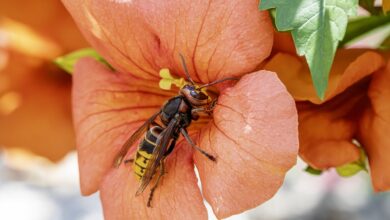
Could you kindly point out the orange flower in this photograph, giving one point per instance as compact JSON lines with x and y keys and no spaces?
{"x":374,"y":128}
{"x":35,"y":111}
{"x":355,"y":108}
{"x":254,"y":128}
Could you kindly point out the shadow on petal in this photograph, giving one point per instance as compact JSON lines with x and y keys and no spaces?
{"x":283,"y":43}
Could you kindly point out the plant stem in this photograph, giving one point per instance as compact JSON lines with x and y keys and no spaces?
{"x":361,"y":26}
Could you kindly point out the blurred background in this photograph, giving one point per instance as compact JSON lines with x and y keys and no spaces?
{"x":34,"y":188}
{"x":38,"y":164}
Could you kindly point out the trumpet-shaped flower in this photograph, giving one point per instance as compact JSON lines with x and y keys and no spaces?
{"x":35,"y":111}
{"x":355,"y":108}
{"x":253,"y":131}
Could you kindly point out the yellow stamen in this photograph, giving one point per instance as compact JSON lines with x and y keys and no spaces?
{"x":167,"y":80}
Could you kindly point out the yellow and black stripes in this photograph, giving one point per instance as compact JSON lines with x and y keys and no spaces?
{"x":145,"y":151}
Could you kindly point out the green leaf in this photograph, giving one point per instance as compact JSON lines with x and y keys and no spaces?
{"x":316,"y":26}
{"x":313,"y":171}
{"x":349,"y":169}
{"x":362,"y":25}
{"x":367,"y":4}
{"x":67,"y":62}
{"x":354,"y":167}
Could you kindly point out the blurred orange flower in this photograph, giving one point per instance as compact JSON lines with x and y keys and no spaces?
{"x":355,"y":108}
{"x":254,"y":128}
{"x":34,"y":94}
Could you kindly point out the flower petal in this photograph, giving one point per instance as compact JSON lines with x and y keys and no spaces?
{"x":176,"y":197}
{"x":284,"y":43}
{"x":218,"y":38}
{"x":327,"y":131}
{"x":375,"y":130}
{"x":34,"y":23}
{"x":349,"y":67}
{"x":329,"y":153}
{"x":326,"y":136}
{"x":108,"y":107}
{"x":35,"y":111}
{"x":35,"y":95}
{"x":255,"y":138}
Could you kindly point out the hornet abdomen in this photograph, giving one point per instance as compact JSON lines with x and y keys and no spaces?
{"x":145,"y":150}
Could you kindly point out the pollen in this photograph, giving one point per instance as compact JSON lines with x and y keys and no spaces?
{"x":167,"y":80}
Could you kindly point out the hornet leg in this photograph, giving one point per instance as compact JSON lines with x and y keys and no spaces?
{"x":188,"y":138}
{"x":208,"y":110}
{"x":213,"y":104}
{"x":171,"y":147}
{"x":162,"y":172}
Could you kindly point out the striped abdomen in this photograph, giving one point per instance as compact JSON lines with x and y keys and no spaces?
{"x":145,"y":150}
